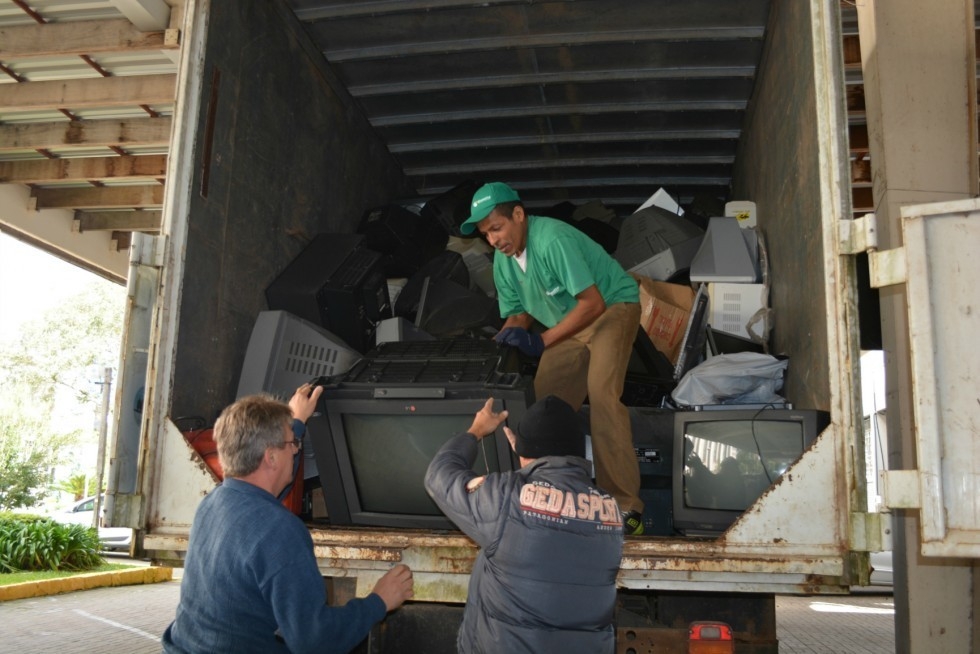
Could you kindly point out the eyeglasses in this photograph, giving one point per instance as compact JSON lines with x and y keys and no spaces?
{"x":297,"y":442}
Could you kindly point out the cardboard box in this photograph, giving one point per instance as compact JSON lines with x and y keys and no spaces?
{"x":665,"y":310}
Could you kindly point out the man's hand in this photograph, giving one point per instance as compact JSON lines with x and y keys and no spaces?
{"x":395,"y":587}
{"x":486,"y":421}
{"x":527,"y":342}
{"x":303,"y":401}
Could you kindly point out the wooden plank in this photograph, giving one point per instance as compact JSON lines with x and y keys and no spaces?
{"x":858,"y":139}
{"x":121,"y":240}
{"x":141,"y":220}
{"x":78,"y":38}
{"x":122,"y":197}
{"x":95,"y":92}
{"x":852,"y":50}
{"x":87,"y":133}
{"x":863,"y":199}
{"x":46,"y":171}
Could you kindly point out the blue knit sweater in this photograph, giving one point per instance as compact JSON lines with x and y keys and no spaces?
{"x":251,"y":583}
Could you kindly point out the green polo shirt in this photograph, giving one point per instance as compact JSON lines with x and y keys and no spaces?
{"x":561,"y":263}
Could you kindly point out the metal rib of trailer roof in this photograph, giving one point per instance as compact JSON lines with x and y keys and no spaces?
{"x":565,"y":100}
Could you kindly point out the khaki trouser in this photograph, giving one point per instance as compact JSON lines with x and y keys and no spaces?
{"x":593,"y":363}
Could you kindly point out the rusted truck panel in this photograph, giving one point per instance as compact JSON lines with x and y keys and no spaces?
{"x":242,"y":195}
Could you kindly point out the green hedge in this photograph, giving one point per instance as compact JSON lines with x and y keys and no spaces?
{"x":30,"y":542}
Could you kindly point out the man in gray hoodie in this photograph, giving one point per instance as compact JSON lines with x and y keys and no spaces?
{"x":551,"y":542}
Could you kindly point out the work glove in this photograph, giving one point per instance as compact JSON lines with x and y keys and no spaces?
{"x":527,"y":342}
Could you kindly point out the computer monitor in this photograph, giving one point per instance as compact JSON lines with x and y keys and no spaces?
{"x":337,"y":283}
{"x":724,"y":460}
{"x":658,"y":244}
{"x":728,"y":253}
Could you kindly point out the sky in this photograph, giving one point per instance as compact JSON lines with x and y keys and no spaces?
{"x":32,"y":281}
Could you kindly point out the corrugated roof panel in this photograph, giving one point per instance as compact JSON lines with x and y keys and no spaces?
{"x":58,"y":10}
{"x":566,"y":100}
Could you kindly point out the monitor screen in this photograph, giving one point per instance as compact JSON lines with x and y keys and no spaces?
{"x":374,"y":445}
{"x":725,"y":460}
{"x":370,"y":441}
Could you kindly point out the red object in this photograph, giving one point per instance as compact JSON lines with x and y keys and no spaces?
{"x":202,"y":440}
{"x":710,"y":637}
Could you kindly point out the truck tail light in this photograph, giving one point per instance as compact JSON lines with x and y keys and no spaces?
{"x":710,"y":638}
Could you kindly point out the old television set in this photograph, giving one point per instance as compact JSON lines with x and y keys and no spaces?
{"x":725,"y":459}
{"x":378,"y":428}
{"x":374,"y":446}
{"x":337,"y":283}
{"x":284,"y":352}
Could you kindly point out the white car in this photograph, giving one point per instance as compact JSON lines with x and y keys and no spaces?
{"x":881,"y":569}
{"x":81,"y":512}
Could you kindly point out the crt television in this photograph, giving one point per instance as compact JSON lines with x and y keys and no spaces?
{"x":725,"y":459}
{"x":374,"y":444}
{"x":285,"y":351}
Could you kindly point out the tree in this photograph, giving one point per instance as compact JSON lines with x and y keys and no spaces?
{"x":27,"y":453}
{"x":79,"y":485}
{"x":48,"y":387}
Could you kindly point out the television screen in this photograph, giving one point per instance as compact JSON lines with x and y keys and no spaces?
{"x":374,"y":446}
{"x":725,"y":460}
{"x":370,"y":440}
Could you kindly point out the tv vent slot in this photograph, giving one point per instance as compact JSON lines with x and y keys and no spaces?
{"x":310,"y":360}
{"x":355,"y":266}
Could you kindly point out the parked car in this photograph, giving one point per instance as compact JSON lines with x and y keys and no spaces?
{"x":881,"y":569}
{"x":80,"y":513}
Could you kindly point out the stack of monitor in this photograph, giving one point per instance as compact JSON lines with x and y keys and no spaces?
{"x":338,"y":284}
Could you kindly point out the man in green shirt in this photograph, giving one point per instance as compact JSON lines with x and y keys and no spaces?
{"x":548,"y":271}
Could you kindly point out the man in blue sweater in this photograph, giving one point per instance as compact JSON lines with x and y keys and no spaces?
{"x":251,"y":582}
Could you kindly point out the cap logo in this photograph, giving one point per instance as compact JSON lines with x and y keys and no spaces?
{"x":477,"y":203}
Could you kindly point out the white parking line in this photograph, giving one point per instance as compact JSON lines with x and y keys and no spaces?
{"x":118,"y":625}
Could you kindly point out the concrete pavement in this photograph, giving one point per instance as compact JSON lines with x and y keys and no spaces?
{"x":130,"y":620}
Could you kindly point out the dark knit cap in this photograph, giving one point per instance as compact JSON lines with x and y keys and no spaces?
{"x":549,"y":428}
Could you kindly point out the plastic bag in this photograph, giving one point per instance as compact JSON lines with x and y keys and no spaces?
{"x":739,"y":378}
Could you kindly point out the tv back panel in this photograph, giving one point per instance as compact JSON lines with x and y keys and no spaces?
{"x":727,"y":254}
{"x":656,"y":243}
{"x":284,"y":352}
{"x":400,"y":329}
{"x":449,"y":308}
{"x":733,"y":305}
{"x":338,"y":284}
{"x":404,"y":238}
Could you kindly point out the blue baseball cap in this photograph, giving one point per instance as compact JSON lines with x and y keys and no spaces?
{"x":485,"y":199}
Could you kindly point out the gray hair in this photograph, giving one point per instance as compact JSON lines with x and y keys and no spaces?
{"x":246,"y":429}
